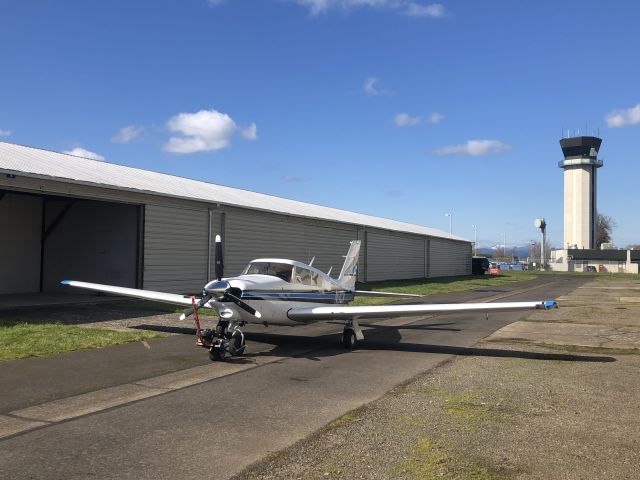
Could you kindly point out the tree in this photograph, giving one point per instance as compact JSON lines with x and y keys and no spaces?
{"x":535,"y":250}
{"x":499,"y":253}
{"x":604,"y":229}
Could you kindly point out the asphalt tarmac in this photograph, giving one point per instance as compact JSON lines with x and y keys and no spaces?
{"x":292,"y":382}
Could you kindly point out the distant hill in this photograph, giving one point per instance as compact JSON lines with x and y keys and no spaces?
{"x":521,"y":252}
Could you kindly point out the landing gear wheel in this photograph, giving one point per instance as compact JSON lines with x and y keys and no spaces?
{"x":349,"y":338}
{"x":236,"y":343}
{"x":216,"y":353}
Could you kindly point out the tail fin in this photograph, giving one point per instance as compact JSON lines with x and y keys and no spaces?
{"x":349,"y":271}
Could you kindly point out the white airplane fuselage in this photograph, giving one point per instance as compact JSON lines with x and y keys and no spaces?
{"x":274,"y":297}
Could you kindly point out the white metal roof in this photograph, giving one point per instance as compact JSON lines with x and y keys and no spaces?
{"x":37,"y":163}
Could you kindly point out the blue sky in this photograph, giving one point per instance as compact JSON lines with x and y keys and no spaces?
{"x":397,"y":108}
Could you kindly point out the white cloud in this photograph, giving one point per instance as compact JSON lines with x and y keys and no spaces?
{"x":126,"y":134}
{"x":624,"y":117}
{"x":433,"y":10}
{"x":250,"y":133}
{"x":5,"y":133}
{"x":203,"y":131}
{"x":404,"y":7}
{"x":474,"y":148}
{"x":291,"y":178}
{"x":435,"y":117}
{"x":405,"y":120}
{"x":370,"y":87}
{"x":81,"y":152}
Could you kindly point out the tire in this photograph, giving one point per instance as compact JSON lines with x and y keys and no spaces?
{"x":216,"y":354}
{"x":349,"y":338}
{"x":237,"y":344}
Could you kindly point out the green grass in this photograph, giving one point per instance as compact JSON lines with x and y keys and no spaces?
{"x":23,"y":340}
{"x":426,"y":459}
{"x":439,"y":285}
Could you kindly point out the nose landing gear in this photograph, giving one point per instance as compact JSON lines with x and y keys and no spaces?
{"x":225,"y":338}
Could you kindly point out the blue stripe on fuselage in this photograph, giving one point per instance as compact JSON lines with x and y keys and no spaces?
{"x":300,"y":296}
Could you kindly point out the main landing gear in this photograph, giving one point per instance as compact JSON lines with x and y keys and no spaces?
{"x":351,"y":334}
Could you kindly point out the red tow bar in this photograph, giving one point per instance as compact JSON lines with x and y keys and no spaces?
{"x":201,"y":342}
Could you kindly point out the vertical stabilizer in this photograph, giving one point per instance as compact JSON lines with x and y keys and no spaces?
{"x":349,"y":271}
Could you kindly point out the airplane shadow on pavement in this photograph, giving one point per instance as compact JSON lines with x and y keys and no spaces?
{"x":377,"y":338}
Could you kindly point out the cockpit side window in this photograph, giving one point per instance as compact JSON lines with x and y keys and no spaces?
{"x":280,"y":270}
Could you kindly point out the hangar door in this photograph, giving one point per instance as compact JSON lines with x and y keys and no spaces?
{"x":250,"y":235}
{"x":20,"y":226}
{"x":176,"y":248}
{"x":449,"y":258}
{"x":46,"y":239}
{"x":394,"y":256}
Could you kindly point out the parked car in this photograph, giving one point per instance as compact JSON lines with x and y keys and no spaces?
{"x":479,"y":265}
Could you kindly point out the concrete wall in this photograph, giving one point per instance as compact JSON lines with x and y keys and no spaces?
{"x":579,"y":206}
{"x":20,"y":226}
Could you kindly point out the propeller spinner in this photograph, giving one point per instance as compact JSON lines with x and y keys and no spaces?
{"x":220,"y":290}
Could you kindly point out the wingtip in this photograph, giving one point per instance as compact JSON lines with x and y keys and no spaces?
{"x":550,"y":304}
{"x":218,"y":239}
{"x":182,"y":317}
{"x":65,"y":282}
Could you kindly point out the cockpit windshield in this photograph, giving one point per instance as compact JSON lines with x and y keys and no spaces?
{"x":280,"y":270}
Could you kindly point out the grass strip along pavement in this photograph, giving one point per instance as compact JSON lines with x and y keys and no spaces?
{"x":22,"y":340}
{"x":434,"y":286}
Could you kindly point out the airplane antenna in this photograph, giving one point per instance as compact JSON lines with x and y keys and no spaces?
{"x":330,"y":268}
{"x":311,"y":262}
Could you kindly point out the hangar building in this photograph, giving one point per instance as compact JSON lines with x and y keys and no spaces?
{"x":63,"y":216}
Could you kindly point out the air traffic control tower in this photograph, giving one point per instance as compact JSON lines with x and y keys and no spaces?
{"x":580,"y":166}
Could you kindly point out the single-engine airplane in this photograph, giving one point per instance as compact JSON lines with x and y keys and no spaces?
{"x":287,"y":292}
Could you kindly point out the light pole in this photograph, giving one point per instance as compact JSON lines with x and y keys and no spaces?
{"x":475,"y":241}
{"x":542,"y":225}
{"x":450,"y":220}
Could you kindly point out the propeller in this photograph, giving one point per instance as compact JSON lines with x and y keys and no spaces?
{"x":219,"y":266}
{"x":219,"y":289}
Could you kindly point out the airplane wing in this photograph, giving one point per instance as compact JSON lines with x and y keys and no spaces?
{"x":171,"y":298}
{"x":346,"y":313}
{"x":367,"y":293}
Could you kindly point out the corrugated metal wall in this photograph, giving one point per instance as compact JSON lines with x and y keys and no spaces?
{"x":250,"y":235}
{"x":393,"y":255}
{"x":175,"y":248}
{"x":449,"y":258}
{"x":176,"y":240}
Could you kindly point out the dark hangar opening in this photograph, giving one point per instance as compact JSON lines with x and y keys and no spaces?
{"x":47,"y":238}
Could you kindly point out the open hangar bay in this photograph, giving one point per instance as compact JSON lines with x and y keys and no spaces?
{"x":69,"y":217}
